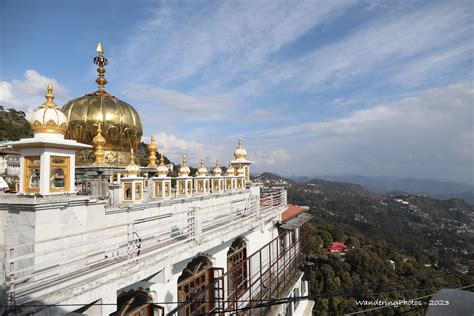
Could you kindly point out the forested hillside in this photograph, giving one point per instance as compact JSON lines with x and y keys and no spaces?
{"x":13,"y":124}
{"x":399,"y":246}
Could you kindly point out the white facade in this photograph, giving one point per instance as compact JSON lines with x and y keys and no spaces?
{"x":75,"y":250}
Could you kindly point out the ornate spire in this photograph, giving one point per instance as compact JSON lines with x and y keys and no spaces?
{"x":98,"y":142}
{"x":152,"y":153}
{"x":101,"y":61}
{"x":49,"y":98}
{"x":132,"y":169}
{"x":217,"y":171}
{"x":162,"y":169}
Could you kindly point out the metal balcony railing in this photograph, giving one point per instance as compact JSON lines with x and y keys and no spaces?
{"x":270,"y":273}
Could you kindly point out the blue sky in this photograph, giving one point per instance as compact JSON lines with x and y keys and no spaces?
{"x":313,"y":87}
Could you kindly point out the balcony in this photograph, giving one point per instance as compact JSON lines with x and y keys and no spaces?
{"x":53,"y":269}
{"x":270,"y":273}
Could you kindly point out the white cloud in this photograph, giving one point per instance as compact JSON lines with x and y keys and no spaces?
{"x":180,"y":102}
{"x":174,"y":148}
{"x":378,"y":49}
{"x":29,"y":93}
{"x":263,"y":159}
{"x":429,"y":136}
{"x":223,"y":41}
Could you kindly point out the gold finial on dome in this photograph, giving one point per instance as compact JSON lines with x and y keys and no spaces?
{"x":230,"y":169}
{"x":202,"y":170}
{"x":132,"y":169}
{"x":98,"y":142}
{"x":100,"y":50}
{"x":184,"y":170}
{"x":49,"y":98}
{"x":162,"y":169}
{"x":217,"y":171}
{"x":48,"y":118}
{"x":152,"y":153}
{"x":101,"y":61}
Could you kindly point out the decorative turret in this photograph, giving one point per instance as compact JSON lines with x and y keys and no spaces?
{"x":217,"y":171}
{"x":48,"y":119}
{"x":152,"y":153}
{"x":132,"y":169}
{"x":217,"y":181}
{"x":202,"y":170}
{"x":98,"y":142}
{"x":241,"y":161}
{"x":47,"y":160}
{"x":162,"y":169}
{"x":184,"y":170}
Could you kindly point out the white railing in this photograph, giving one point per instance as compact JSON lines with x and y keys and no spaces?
{"x":45,"y":263}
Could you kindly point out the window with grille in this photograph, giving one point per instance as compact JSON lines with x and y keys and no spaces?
{"x":195,"y":278}
{"x":237,"y":269}
{"x":32,"y":173}
{"x":59,"y":173}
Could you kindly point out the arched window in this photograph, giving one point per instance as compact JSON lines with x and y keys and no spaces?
{"x":195,"y":277}
{"x":237,"y":282}
{"x":137,"y":303}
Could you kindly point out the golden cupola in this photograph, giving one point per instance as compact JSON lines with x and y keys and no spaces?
{"x":217,"y":171}
{"x":230,"y":169}
{"x":132,"y":168}
{"x":162,"y":169}
{"x":202,"y":170}
{"x":120,"y":122}
{"x":240,"y":153}
{"x":240,"y":171}
{"x":48,"y":119}
{"x":184,"y":170}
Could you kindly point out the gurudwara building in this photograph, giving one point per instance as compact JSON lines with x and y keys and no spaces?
{"x":92,"y":232}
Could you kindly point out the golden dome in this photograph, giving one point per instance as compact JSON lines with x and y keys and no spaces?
{"x":184,"y":170}
{"x":230,"y":169}
{"x":240,"y":153}
{"x":202,"y":170}
{"x":48,"y":118}
{"x":162,"y":169}
{"x":121,"y":125}
{"x":217,"y":171}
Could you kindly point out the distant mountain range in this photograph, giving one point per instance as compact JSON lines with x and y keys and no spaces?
{"x":387,"y":185}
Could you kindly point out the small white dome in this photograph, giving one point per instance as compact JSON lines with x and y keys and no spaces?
{"x":48,"y":118}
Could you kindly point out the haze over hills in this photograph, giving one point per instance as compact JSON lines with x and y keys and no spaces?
{"x":386,"y":185}
{"x":415,"y":224}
